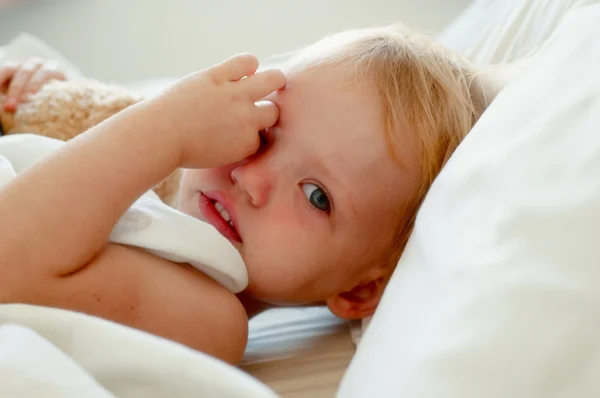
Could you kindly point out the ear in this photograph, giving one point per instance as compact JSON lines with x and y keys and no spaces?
{"x":360,"y":302}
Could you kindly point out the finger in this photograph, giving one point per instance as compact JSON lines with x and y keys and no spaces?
{"x":20,"y":80}
{"x":252,"y":146}
{"x":238,"y":66}
{"x":264,"y":83}
{"x":267,"y":114}
{"x":7,"y":71}
{"x":39,"y":79}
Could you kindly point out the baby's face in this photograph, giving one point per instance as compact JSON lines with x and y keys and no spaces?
{"x":318,"y":203}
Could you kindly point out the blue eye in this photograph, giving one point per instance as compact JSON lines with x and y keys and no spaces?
{"x":317,"y":197}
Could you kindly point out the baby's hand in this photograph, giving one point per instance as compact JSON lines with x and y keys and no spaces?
{"x":20,"y":80}
{"x":215,"y":112}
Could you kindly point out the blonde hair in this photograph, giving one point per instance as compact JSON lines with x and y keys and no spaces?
{"x":431,"y":92}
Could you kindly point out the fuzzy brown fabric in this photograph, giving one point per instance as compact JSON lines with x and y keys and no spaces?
{"x":65,"y":109}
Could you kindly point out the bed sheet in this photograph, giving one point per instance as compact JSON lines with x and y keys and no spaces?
{"x":299,"y":352}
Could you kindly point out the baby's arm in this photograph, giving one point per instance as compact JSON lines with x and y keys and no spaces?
{"x":61,"y":210}
{"x":135,"y":288}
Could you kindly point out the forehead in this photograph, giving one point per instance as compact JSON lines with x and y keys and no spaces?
{"x":338,"y":123}
{"x":338,"y":120}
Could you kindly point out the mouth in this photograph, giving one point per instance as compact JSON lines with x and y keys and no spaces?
{"x":217,"y":213}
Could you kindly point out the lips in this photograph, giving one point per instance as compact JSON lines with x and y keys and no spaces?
{"x":217,"y":212}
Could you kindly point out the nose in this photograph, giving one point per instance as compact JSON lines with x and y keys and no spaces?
{"x":253,"y":181}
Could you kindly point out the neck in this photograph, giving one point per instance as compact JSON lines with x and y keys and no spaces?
{"x":252,"y":306}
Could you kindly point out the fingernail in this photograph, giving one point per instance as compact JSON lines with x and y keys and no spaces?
{"x":10,"y":104}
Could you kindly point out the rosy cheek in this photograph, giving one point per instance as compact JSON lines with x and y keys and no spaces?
{"x":291,"y":216}
{"x":280,"y":217}
{"x":208,"y":178}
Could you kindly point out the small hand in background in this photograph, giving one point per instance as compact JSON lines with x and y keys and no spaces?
{"x":20,"y":80}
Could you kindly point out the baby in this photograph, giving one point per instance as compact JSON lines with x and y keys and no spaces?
{"x":314,"y":172}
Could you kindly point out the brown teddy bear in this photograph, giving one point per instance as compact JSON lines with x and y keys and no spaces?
{"x":65,"y":109}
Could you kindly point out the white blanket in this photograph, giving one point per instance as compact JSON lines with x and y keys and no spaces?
{"x":54,"y":353}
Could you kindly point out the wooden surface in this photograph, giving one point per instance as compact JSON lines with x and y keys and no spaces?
{"x":299,"y":353}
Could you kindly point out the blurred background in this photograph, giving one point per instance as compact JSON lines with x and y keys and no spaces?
{"x":128,"y":40}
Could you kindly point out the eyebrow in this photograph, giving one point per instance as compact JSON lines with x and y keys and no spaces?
{"x":346,"y":192}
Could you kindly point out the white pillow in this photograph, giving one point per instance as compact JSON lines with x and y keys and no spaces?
{"x":499,"y":31}
{"x":495,"y":32}
{"x":498,"y":291}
